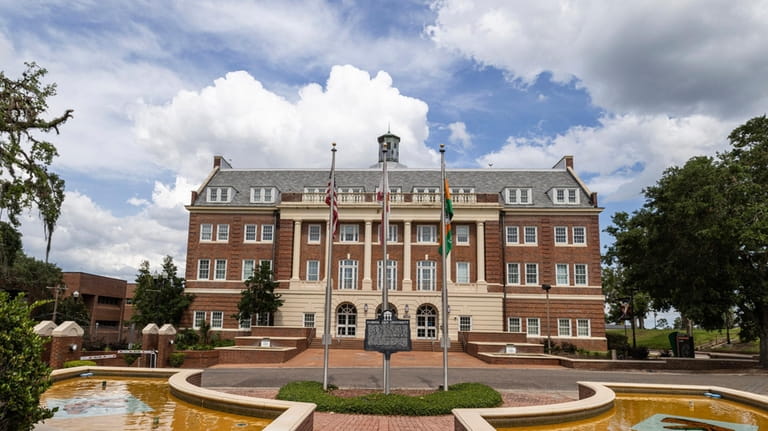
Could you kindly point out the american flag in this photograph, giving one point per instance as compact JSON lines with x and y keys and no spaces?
{"x":383,"y":196}
{"x":332,"y":200}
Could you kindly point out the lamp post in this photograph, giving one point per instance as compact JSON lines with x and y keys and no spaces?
{"x":546,"y":288}
{"x":57,"y":289}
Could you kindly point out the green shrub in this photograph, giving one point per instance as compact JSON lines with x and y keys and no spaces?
{"x":639,"y":352}
{"x":176,"y":359}
{"x":79,"y":363}
{"x":461,"y":395}
{"x":130,"y":358}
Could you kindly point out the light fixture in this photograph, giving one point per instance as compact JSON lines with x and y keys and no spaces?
{"x":170,"y":342}
{"x":406,"y":308}
{"x":73,"y":348}
{"x":449,"y":309}
{"x":365,"y":307}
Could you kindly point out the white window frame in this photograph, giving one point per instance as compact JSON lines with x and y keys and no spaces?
{"x":222,"y":232}
{"x":512,"y":232}
{"x":314,"y":234}
{"x":348,"y":313}
{"x":565,"y":196}
{"x":349,"y":233}
{"x":316,"y":264}
{"x":462,"y":234}
{"x":308,"y":320}
{"x":561,"y":235}
{"x":348,"y":274}
{"x":582,"y":237}
{"x":391,"y":274}
{"x":426,"y":271}
{"x":426,"y":233}
{"x":583,"y":328}
{"x":513,"y":269}
{"x":564,"y":328}
{"x":204,"y":269}
{"x":426,"y":322}
{"x":198,"y":317}
{"x":249,"y":268}
{"x":217,"y":270}
{"x":261,"y":263}
{"x":267,"y":233}
{"x":249,"y":233}
{"x":526,"y":235}
{"x":392,"y":235}
{"x":462,"y":273}
{"x":562,"y":276}
{"x":515,"y":325}
{"x":217,"y":320}
{"x":518,"y":196}
{"x":219,"y":194}
{"x":465,"y":323}
{"x":261,"y":195}
{"x":532,"y":323}
{"x":528,"y":280}
{"x":577,"y":277}
{"x":245,"y":323}
{"x":206,"y":232}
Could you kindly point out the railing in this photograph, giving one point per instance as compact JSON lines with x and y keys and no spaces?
{"x":418,"y":198}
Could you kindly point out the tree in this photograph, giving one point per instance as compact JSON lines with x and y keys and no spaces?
{"x":23,"y":374}
{"x":32,"y":277}
{"x":699,"y":242}
{"x":159,"y":298}
{"x":617,"y":293}
{"x":25,"y":178}
{"x":259,"y":296}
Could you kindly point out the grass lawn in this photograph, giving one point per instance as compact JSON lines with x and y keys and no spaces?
{"x":659,"y":339}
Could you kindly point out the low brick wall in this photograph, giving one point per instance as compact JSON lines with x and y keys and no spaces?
{"x":200,"y":358}
{"x":256,"y":356}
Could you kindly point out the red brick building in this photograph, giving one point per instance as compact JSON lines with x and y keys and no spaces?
{"x":514,"y":232}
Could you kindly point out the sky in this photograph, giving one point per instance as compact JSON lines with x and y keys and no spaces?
{"x":159,"y":87}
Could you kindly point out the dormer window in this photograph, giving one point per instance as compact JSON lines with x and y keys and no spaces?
{"x":260,"y":195}
{"x":518,"y":196}
{"x":565,"y":196}
{"x":219,"y":194}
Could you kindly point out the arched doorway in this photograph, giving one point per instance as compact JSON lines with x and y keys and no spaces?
{"x":346,"y":320}
{"x":392,"y":308}
{"x":426,"y":322}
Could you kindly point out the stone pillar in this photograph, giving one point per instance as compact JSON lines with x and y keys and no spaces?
{"x":44,"y":330}
{"x":149,"y":341}
{"x":367,"y":244}
{"x":296,"y":251}
{"x":407,"y":283}
{"x":481,"y":252}
{"x":66,"y":343}
{"x":166,"y":338}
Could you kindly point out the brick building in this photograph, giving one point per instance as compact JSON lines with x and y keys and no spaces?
{"x":515,"y":231}
{"x":106,"y":301}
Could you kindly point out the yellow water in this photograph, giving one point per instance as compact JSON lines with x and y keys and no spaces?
{"x":631,"y":409}
{"x":88,"y":404}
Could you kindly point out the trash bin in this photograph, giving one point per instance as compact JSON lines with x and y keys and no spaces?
{"x":685,"y":346}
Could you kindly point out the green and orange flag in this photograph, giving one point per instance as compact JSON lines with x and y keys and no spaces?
{"x":448,"y":210}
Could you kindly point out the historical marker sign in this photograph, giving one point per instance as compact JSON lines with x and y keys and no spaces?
{"x":388,"y":335}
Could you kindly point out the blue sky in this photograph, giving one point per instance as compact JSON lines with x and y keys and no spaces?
{"x":158,"y":88}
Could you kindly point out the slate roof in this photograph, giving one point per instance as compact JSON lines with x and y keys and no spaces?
{"x":484,"y":181}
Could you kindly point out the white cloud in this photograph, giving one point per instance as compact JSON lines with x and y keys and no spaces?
{"x":623,"y":154}
{"x":460,"y":136}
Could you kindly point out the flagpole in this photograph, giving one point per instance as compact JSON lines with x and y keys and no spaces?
{"x":444,"y":252}
{"x":328,"y":266}
{"x":385,"y":261}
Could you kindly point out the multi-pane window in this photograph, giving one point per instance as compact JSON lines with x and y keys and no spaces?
{"x":250,"y":232}
{"x":561,"y":274}
{"x":222,"y":232}
{"x":217,"y":319}
{"x":462,"y":272}
{"x":561,"y":235}
{"x":580,"y":274}
{"x":462,"y":234}
{"x":313,"y":234}
{"x":350,"y":233}
{"x":218,"y":194}
{"x":392,"y":237}
{"x":347,"y":274}
{"x":265,"y":262}
{"x":206,"y":232}
{"x":532,"y":327}
{"x":530,"y":234}
{"x":263,"y":319}
{"x":245,"y":323}
{"x":220,"y":272}
{"x":267,"y":232}
{"x":513,"y":273}
{"x":566,"y":196}
{"x":426,"y":233}
{"x":582,"y":328}
{"x":198,"y":319}
{"x":564,"y":327}
{"x":346,"y":320}
{"x":465,"y":323}
{"x":249,"y":267}
{"x":573,"y":196}
{"x":425,"y":274}
{"x":426,"y":322}
{"x":309,"y":320}
{"x":313,"y":270}
{"x":514,"y":324}
{"x":513,"y":235}
{"x":262,"y":194}
{"x":532,"y":273}
{"x":391,"y":274}
{"x":521,"y":196}
{"x":203,"y":269}
{"x":579,"y":235}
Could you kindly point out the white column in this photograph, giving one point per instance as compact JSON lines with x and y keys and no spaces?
{"x":480,"y":252}
{"x":367,"y":255}
{"x":407,"y":282}
{"x":296,"y":250}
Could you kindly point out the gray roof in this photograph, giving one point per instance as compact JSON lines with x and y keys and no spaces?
{"x":483,"y":181}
